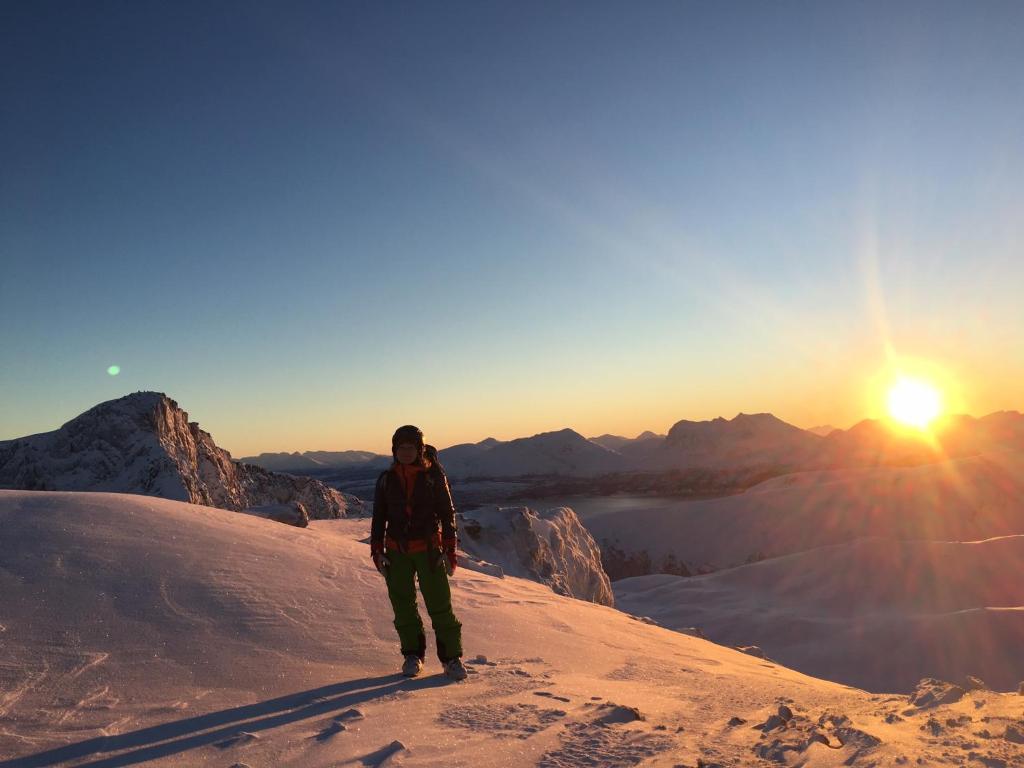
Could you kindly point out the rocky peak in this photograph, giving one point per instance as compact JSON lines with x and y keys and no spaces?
{"x":144,"y":443}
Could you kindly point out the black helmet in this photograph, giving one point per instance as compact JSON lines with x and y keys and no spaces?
{"x":407,"y":434}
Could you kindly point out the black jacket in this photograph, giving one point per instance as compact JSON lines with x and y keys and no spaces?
{"x":431,"y":506}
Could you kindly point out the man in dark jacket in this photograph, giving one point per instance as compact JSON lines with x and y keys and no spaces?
{"x":413,"y":537}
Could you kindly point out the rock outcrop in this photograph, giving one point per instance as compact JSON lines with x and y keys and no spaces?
{"x":551,"y":547}
{"x":144,"y":443}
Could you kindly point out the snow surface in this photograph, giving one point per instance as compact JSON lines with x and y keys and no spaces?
{"x":137,"y":629}
{"x":938,"y":609}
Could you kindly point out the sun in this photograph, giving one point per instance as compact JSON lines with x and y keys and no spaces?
{"x":914,"y":402}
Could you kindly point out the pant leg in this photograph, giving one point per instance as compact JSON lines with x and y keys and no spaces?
{"x":438,"y":597}
{"x":401,"y":582}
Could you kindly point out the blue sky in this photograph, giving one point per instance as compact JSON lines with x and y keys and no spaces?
{"x":311,"y":222}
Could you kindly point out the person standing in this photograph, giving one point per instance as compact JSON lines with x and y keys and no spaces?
{"x":413,"y":537}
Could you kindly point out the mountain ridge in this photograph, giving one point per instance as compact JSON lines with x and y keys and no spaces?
{"x":144,"y":443}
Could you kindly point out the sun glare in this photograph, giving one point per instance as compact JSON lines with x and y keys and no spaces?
{"x":914,"y":402}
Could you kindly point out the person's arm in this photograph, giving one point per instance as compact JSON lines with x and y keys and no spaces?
{"x":445,"y":507}
{"x":378,"y":525}
{"x":446,"y":516}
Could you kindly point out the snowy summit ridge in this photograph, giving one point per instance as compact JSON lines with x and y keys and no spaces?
{"x":144,"y":443}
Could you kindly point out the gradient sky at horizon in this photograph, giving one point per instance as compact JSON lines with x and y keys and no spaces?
{"x":309,"y":223}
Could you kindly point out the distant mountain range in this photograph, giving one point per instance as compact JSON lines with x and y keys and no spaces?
{"x":616,"y":442}
{"x":144,"y":443}
{"x":746,"y":440}
{"x":98,"y":450}
{"x":314,"y":460}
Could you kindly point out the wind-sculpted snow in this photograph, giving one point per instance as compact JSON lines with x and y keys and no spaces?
{"x":550,"y":546}
{"x":140,"y":631}
{"x":144,"y":443}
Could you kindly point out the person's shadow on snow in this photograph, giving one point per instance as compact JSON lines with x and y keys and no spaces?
{"x":223,"y":726}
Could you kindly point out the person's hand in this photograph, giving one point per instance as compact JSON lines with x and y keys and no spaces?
{"x":380,"y":560}
{"x":451,"y":559}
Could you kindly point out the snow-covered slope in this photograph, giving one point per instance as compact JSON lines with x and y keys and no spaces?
{"x":564,"y":452}
{"x":141,"y":630}
{"x":550,"y":546}
{"x":938,"y":608}
{"x":959,"y":500}
{"x":144,"y":443}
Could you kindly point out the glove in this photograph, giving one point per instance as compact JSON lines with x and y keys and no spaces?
{"x":448,"y":556}
{"x":380,"y":560}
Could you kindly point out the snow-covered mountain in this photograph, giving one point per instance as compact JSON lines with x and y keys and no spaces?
{"x":144,"y":443}
{"x":138,"y":630}
{"x":549,"y":546}
{"x":744,"y":440}
{"x":463,"y":454}
{"x":823,"y":430}
{"x":313,"y":460}
{"x":565,"y":452}
{"x":617,"y":442}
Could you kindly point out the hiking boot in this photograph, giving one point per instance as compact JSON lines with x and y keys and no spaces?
{"x":413,"y":665}
{"x":455,"y":669}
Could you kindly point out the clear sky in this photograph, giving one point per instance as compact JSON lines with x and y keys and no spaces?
{"x":312,"y":222}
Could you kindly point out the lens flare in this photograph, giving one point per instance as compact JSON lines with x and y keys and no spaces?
{"x":114,"y":370}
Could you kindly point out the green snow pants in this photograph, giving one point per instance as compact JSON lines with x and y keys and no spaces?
{"x":405,"y":568}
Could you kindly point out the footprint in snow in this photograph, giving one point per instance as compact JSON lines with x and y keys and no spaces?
{"x":382,"y":756}
{"x":605,"y":745}
{"x":550,"y":695}
{"x":238,"y":740}
{"x":337,"y":724}
{"x":331,"y":730}
{"x":518,"y":720}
